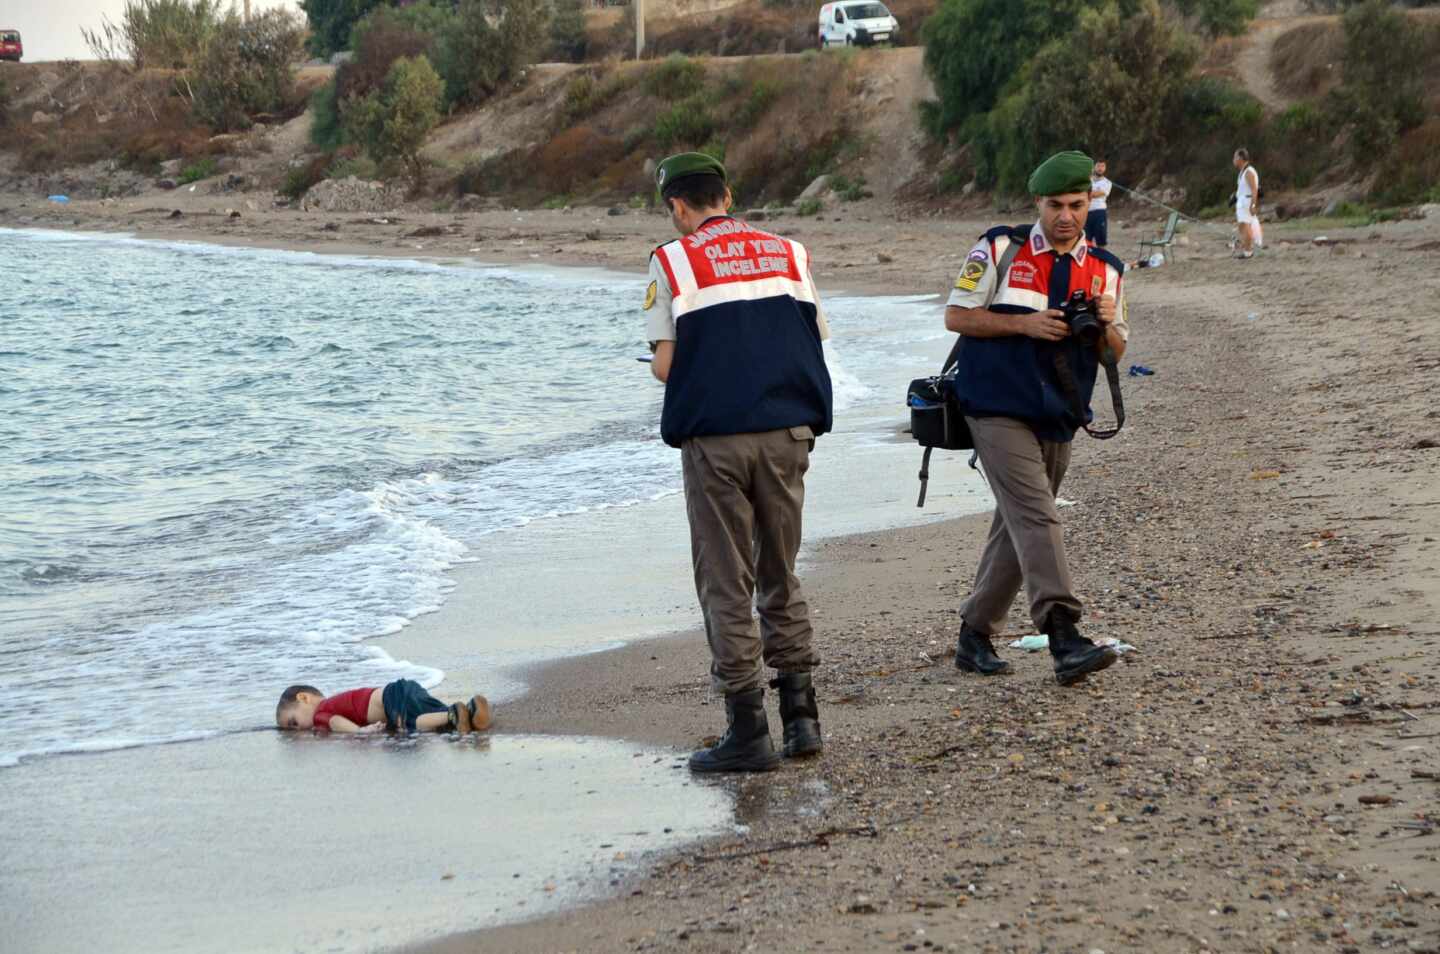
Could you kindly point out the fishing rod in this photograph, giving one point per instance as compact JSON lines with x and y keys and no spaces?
{"x":1188,"y":218}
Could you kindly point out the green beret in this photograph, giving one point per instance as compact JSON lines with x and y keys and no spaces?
{"x":1062,"y":173}
{"x":686,"y":164}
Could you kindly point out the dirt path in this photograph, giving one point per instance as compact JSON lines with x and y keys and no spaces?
{"x":893,"y":84}
{"x":1252,"y":63}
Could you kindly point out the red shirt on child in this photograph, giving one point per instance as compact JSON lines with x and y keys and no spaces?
{"x":353,"y":705}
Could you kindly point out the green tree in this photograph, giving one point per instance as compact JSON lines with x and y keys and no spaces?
{"x":1382,"y":94}
{"x":427,"y":17}
{"x":567,"y":31}
{"x":246,"y":68}
{"x":392,"y":122}
{"x":975,"y":48}
{"x":492,"y":40}
{"x":1220,"y":17}
{"x":1108,"y":89}
{"x":331,"y":22}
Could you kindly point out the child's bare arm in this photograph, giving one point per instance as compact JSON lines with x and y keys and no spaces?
{"x":342,"y":724}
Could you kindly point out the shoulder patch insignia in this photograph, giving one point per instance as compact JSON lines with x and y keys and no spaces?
{"x":979,"y":255}
{"x":970,"y":275}
{"x":650,"y":295}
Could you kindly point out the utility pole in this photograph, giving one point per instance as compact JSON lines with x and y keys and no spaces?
{"x":247,"y":11}
{"x":639,"y":28}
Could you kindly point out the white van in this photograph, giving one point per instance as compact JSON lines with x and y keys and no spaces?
{"x":857,"y":23}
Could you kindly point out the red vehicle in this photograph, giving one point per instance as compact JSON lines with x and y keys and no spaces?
{"x":10,"y":46}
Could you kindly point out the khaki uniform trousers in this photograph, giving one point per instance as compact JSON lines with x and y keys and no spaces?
{"x":1025,"y":543}
{"x":744,"y":494}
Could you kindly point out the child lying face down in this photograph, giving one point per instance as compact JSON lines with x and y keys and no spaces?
{"x":403,"y":704}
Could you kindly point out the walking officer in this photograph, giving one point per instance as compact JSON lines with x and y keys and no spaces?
{"x":1024,"y":382}
{"x":736,"y":327}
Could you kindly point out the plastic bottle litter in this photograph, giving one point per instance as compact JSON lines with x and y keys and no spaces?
{"x":1139,"y":370}
{"x":1253,"y":316}
{"x":62,"y":199}
{"x":1040,"y":641}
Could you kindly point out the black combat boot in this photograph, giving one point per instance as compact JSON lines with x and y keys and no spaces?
{"x":974,"y":653}
{"x":1075,"y":656}
{"x":746,"y":746}
{"x":799,"y":713}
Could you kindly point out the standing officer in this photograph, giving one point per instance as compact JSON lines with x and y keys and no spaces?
{"x":1024,"y":383}
{"x":735,"y":324}
{"x":1097,"y":222}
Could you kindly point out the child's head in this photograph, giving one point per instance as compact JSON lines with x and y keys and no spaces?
{"x":297,"y":707}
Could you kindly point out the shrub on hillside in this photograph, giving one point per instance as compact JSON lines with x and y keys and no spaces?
{"x":490,"y":43}
{"x":675,"y":77}
{"x":327,"y":130}
{"x":202,"y":168}
{"x":300,"y":178}
{"x":428,"y":17}
{"x":1412,"y":172}
{"x":1106,"y":89}
{"x":1206,"y":121}
{"x":383,"y":39}
{"x":568,"y":40}
{"x":1305,"y":60}
{"x":392,"y":122}
{"x":331,"y":22}
{"x":688,"y":123}
{"x":1382,"y":95}
{"x":1220,"y":17}
{"x":974,"y":49}
{"x":245,"y":69}
{"x":5,"y":103}
{"x":1298,"y":145}
{"x":163,"y":34}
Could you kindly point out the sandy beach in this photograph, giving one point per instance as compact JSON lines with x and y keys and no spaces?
{"x":1259,"y":775}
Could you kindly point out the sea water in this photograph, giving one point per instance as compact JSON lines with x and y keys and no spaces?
{"x":226,"y":470}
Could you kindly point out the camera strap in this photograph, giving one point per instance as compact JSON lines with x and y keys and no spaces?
{"x":1066,"y":376}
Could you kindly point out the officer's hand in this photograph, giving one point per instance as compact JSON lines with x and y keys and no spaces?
{"x":1105,"y":309}
{"x":1046,"y":325}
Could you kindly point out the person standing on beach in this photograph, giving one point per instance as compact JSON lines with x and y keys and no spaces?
{"x":735,"y":324}
{"x":1023,"y":413}
{"x":1097,"y":221}
{"x":1247,"y":203}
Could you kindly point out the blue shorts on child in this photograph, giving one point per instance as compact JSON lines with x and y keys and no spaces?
{"x":405,"y":701}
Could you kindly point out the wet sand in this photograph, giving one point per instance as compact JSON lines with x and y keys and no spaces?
{"x":1264,"y":530}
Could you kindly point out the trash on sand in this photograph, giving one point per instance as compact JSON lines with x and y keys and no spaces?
{"x":1253,"y":316}
{"x":60,"y":198}
{"x":1139,"y":370}
{"x":1040,"y":641}
{"x":1062,"y":502}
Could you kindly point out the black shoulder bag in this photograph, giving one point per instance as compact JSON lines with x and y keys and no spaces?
{"x":936,"y":418}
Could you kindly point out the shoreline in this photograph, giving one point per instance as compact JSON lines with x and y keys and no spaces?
{"x":987,"y":813}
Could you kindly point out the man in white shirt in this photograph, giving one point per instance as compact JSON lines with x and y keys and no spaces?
{"x":1097,"y":221}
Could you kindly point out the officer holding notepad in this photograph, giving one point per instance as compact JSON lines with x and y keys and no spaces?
{"x":736,"y":327}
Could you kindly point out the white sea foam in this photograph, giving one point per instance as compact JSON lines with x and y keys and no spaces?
{"x":333,"y":569}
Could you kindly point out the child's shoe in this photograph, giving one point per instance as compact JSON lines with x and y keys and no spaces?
{"x":459,"y":718}
{"x":478,"y":709}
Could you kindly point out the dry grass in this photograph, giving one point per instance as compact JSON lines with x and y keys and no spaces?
{"x":1306,"y":61}
{"x":778,"y":121}
{"x":97,"y":111}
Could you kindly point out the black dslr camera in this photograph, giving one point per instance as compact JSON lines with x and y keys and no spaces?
{"x":1083,"y":319}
